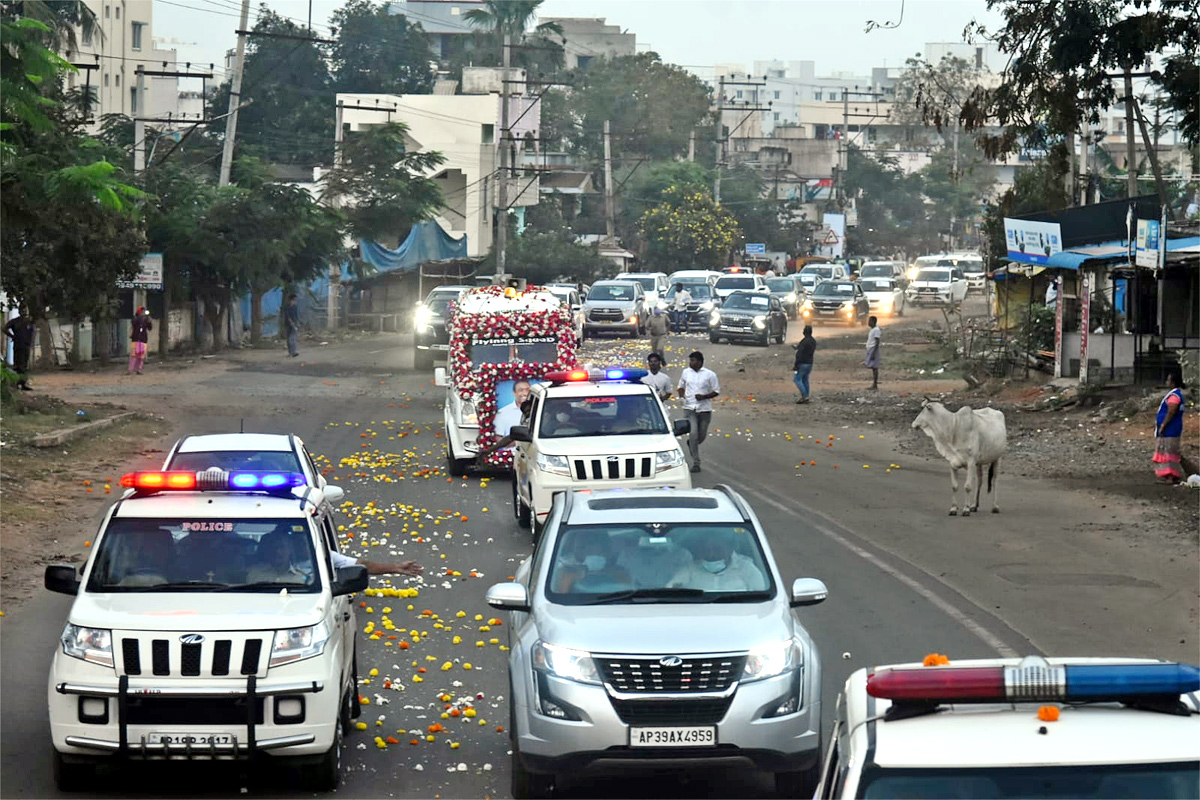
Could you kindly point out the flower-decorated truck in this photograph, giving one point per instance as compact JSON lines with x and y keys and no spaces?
{"x":501,"y":339}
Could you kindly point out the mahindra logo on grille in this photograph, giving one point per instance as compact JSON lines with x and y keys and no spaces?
{"x":613,"y":459}
{"x":671,"y":661}
{"x":191,"y":638}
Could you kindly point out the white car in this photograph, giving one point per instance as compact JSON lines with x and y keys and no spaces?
{"x":939,"y":286}
{"x":208,"y":623}
{"x":260,"y":452}
{"x":654,"y":284}
{"x":739,"y":282}
{"x":813,"y":274}
{"x":708,"y":276}
{"x":572,"y":302}
{"x":1033,"y":728}
{"x":885,"y":297}
{"x":593,"y":430}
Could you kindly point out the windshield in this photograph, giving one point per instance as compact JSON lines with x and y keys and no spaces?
{"x":735,"y":282}
{"x":212,"y":554}
{"x":781,"y":284}
{"x":1076,"y":781}
{"x":970,"y":266}
{"x":631,"y":563}
{"x":532,"y":350}
{"x":565,"y":417}
{"x":649,"y":282}
{"x":439,"y":303}
{"x":934,"y":275}
{"x":757,"y":302}
{"x":877,"y":285}
{"x":611,"y":291}
{"x":876,"y":270}
{"x":832,"y":289}
{"x":818,"y":272}
{"x":564,"y":295}
{"x":699,"y":292}
{"x":231,"y":460}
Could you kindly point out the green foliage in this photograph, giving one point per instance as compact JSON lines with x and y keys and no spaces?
{"x":1037,"y":328}
{"x":933,"y":94}
{"x":1037,"y":188}
{"x":891,"y":210}
{"x":95,"y":182}
{"x":541,"y":256}
{"x":27,"y":69}
{"x":513,"y":17}
{"x":378,"y":52}
{"x":688,"y":230}
{"x":956,"y":194}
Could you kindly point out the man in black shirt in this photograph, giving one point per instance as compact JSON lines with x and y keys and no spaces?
{"x":21,"y":329}
{"x":804,"y":363}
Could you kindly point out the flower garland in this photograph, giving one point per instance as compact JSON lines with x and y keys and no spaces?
{"x":502,"y":323}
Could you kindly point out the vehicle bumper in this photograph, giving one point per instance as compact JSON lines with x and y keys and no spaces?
{"x":431,"y":338}
{"x":976,"y":283}
{"x":938,"y":299}
{"x":628,"y":326}
{"x":547,"y":485}
{"x":462,"y":441}
{"x":601,"y":739}
{"x":124,"y":728}
{"x":750,"y":333}
{"x":841,"y":316}
{"x":886,"y":309}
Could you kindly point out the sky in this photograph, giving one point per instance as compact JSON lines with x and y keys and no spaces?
{"x":694,"y":33}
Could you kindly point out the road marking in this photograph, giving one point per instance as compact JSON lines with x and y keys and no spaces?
{"x":952,"y":611}
{"x":373,"y":352}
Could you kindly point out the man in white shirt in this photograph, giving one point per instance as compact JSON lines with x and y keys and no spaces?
{"x":717,"y":567}
{"x":698,"y":385}
{"x":510,"y":414}
{"x":657,"y":378}
{"x":679,"y":308}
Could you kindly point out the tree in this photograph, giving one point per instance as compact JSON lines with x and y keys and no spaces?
{"x":513,"y":18}
{"x":891,"y":209}
{"x":541,"y":256}
{"x":957,"y":183}
{"x":378,"y":52}
{"x":933,"y":94}
{"x":688,"y":230}
{"x":1062,"y":54}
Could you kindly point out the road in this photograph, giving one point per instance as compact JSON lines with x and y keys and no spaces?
{"x":904,"y":580}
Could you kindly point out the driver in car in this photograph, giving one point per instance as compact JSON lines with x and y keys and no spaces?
{"x":595,"y":568}
{"x":717,"y":567}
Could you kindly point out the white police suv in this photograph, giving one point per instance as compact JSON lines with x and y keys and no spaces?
{"x":593,"y":429}
{"x":1030,"y":728}
{"x":208,"y":623}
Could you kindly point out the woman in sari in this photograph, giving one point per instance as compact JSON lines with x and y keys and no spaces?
{"x":1168,"y":431}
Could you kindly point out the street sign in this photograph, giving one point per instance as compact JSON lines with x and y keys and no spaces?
{"x":756,"y":248}
{"x":831,"y":237}
{"x":1148,"y":233}
{"x":150,"y":274}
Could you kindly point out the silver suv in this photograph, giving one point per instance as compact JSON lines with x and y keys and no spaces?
{"x":652,"y":626}
{"x":615,"y":307}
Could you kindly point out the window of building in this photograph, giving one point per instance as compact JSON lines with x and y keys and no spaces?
{"x":777,"y":95}
{"x":108,"y":12}
{"x":106,"y":79}
{"x":133,"y":100}
{"x":777,"y":116}
{"x":118,"y":12}
{"x":87,"y":37}
{"x":739,"y":94}
{"x":137,"y":35}
{"x":583,"y":61}
{"x":116,"y":79}
{"x":817,"y":95}
{"x":488,"y":134}
{"x":833,"y":96}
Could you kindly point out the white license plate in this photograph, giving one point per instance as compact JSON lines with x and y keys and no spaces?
{"x":730,"y":328}
{"x":194,"y":739}
{"x":689,"y":736}
{"x":827,"y":311}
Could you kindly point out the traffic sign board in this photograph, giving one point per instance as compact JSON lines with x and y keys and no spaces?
{"x":756,"y":247}
{"x":831,"y":237}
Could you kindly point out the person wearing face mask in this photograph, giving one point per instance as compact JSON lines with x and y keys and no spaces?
{"x":595,"y":569}
{"x":718,"y":567}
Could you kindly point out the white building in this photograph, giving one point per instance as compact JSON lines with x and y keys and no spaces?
{"x":464,"y":129}
{"x":589,"y":38}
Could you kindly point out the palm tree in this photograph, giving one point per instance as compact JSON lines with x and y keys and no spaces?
{"x":512,"y":17}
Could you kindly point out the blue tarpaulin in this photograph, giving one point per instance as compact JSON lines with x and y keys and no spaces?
{"x":426,"y":242}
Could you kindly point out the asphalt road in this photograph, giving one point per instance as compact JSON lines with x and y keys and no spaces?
{"x":896,"y":591}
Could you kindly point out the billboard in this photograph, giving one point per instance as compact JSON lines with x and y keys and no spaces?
{"x":1146,"y":253}
{"x":150,"y":274}
{"x":1030,"y":242}
{"x":831,"y":238}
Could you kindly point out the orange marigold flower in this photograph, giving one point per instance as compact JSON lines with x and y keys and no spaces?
{"x":1048,"y":713}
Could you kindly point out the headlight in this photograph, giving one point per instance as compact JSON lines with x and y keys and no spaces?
{"x":849,"y":304}
{"x":790,"y":297}
{"x":708,"y":306}
{"x":760,"y":322}
{"x":557,"y":465}
{"x":807,"y":305}
{"x":632,"y":318}
{"x":467,"y":414}
{"x":424,"y":317}
{"x":573,"y":665}
{"x":715,"y":319}
{"x":297,"y":644}
{"x":88,"y":644}
{"x":771,"y":660}
{"x":667,"y":459}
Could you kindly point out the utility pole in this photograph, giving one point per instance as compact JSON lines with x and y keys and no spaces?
{"x":843,"y":151}
{"x":502,"y":218}
{"x":720,"y":127}
{"x":609,"y":209}
{"x":1152,"y":152}
{"x":718,"y":136}
{"x":692,"y":146}
{"x":139,"y":124}
{"x":1131,"y":189}
{"x":235,"y":97}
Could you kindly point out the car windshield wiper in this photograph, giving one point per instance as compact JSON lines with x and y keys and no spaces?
{"x":645,"y":594}
{"x":738,"y":597}
{"x":239,"y":587}
{"x":183,"y":586}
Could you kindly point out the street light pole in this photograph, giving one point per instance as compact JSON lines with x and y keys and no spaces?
{"x":502,"y":218}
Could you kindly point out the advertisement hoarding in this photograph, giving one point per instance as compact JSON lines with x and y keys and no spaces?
{"x":1030,"y":242}
{"x":150,"y":274}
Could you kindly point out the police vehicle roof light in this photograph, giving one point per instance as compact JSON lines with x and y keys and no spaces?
{"x":608,"y":374}
{"x":212,"y":481}
{"x":1034,"y":679}
{"x":159,"y":480}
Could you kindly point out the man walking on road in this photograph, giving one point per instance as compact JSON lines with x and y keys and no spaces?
{"x":657,"y":378}
{"x":874,"y":340}
{"x":698,"y":386}
{"x":679,"y":308}
{"x":804,"y":363}
{"x":658,"y":328}
{"x":291,"y":322}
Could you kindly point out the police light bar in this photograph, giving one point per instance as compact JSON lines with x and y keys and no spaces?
{"x":213,"y":481}
{"x":606,"y":374}
{"x":1034,"y":680}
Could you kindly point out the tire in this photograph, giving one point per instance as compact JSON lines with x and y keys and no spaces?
{"x":526,"y":784}
{"x":72,"y":776}
{"x":326,"y":774}
{"x":535,"y":528}
{"x":801,"y":783}
{"x":520,"y":510}
{"x":422,"y":359}
{"x":353,"y":708}
{"x":456,"y":466}
{"x":714,"y":339}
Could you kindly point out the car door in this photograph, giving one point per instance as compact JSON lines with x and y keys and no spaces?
{"x":778,"y":320}
{"x":862,"y":307}
{"x":524,"y":455}
{"x":343,"y":611}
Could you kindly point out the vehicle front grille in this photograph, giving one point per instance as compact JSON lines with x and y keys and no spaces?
{"x":694,"y":674}
{"x":827,"y":306}
{"x":612,"y":468}
{"x":698,"y":711}
{"x":606,"y":315}
{"x":735,"y":322}
{"x":928,"y":290}
{"x":212,"y":656}
{"x":190,"y":710}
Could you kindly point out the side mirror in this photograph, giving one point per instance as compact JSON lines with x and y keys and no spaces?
{"x":520,"y":433}
{"x":348,"y":580}
{"x":62,"y":578}
{"x":508,"y":596}
{"x":808,"y":592}
{"x":681,"y":427}
{"x":333,"y":493}
{"x":439,"y":377}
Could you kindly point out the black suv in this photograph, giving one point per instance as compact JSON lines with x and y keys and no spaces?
{"x":836,"y":301}
{"x":756,"y":316}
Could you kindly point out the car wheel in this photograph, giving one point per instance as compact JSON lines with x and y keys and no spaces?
{"x":422,"y":359}
{"x":326,"y":774}
{"x":526,"y":784}
{"x":714,"y":339}
{"x":73,"y":776}
{"x":353,"y":708}
{"x":456,"y":466}
{"x":801,"y":783}
{"x":520,"y":510}
{"x":536,"y":528}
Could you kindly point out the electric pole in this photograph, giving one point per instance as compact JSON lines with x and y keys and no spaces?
{"x":139,"y":124}
{"x":1131,"y":189}
{"x":502,"y":218}
{"x":717,"y":136}
{"x":235,"y":97}
{"x":692,"y":146}
{"x":609,"y":210}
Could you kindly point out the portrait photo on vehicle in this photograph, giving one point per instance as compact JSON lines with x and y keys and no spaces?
{"x":509,"y":397}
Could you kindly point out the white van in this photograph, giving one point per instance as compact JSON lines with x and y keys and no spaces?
{"x":654,"y":284}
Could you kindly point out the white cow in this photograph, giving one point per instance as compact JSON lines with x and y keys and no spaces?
{"x":969,"y":439}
